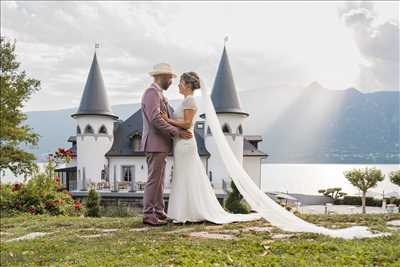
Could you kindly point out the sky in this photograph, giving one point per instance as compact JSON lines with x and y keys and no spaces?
{"x":271,"y":44}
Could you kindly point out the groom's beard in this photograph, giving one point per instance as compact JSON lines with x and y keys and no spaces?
{"x":165,"y":85}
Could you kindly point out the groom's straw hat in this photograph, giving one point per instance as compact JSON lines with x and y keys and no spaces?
{"x":162,"y":68}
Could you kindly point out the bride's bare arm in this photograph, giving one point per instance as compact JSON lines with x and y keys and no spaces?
{"x":187,"y":121}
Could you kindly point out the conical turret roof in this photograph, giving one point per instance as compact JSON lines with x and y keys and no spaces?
{"x":224,"y":95}
{"x":94,"y":99}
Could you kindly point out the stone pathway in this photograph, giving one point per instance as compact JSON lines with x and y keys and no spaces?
{"x":109,"y":230}
{"x":29,"y":236}
{"x":139,"y":229}
{"x":177,"y":231}
{"x":100,"y":230}
{"x":217,"y":232}
{"x":212,"y":235}
{"x":230,"y":234}
{"x":258,"y":229}
{"x":230,"y":231}
{"x":394,"y":225}
{"x":5,"y":233}
{"x":214,"y":227}
{"x":211,"y":232}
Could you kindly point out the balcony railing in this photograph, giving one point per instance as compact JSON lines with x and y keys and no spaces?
{"x":125,"y":186}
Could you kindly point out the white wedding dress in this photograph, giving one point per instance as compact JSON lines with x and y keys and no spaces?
{"x":192,"y":199}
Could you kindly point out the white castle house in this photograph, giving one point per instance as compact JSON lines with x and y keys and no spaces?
{"x":107,"y":152}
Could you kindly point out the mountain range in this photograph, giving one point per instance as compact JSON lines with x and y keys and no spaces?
{"x":298,"y":125}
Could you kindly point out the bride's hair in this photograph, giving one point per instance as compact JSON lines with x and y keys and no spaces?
{"x":191,"y":78}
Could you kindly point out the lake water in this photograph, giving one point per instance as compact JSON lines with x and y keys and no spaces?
{"x":301,"y":178}
{"x":309,"y":178}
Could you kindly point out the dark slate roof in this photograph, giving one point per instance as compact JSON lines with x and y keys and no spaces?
{"x":224,"y":95}
{"x":251,"y":150}
{"x":122,"y":145}
{"x":255,"y":138}
{"x":72,"y":139}
{"x":94,"y":99}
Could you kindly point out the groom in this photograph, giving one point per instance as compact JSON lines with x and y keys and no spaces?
{"x":157,"y":143}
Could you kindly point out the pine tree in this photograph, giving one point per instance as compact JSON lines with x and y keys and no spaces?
{"x":234,"y":202}
{"x":93,"y":204}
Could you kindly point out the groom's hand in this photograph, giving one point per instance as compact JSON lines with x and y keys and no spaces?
{"x":164,"y":116}
{"x":185,"y":134}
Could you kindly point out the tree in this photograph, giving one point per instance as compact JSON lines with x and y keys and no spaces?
{"x":234,"y":201}
{"x":15,"y":89}
{"x":364,"y":180}
{"x":93,"y":204}
{"x":395,"y":177}
{"x":334,"y":193}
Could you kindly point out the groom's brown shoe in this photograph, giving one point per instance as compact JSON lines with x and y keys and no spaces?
{"x":161,"y":216}
{"x":153,"y":221}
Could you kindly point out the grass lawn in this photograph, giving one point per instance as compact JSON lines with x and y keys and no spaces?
{"x":124,"y":241}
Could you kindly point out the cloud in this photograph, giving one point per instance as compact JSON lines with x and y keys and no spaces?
{"x":55,"y":43}
{"x":377,"y":43}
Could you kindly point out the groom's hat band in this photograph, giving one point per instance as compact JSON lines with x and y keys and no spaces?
{"x":162,"y":68}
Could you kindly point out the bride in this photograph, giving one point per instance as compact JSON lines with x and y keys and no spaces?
{"x":192,"y":198}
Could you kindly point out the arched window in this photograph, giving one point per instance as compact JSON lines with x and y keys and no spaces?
{"x":208,"y":131}
{"x":226,"y":128}
{"x":88,"y":129}
{"x":103,"y":130}
{"x":78,"y":130}
{"x":239,"y":130}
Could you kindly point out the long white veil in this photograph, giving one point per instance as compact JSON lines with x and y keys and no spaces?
{"x":259,"y":201}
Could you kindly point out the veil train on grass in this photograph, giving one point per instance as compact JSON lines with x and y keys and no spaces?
{"x":259,"y":201}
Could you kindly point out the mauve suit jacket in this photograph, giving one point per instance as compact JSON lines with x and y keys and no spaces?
{"x":157,"y":134}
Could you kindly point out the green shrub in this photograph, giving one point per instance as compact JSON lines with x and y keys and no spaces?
{"x":7,"y":197}
{"x":370,"y":201}
{"x":234,"y":202}
{"x":393,"y":200}
{"x":93,"y":204}
{"x":40,"y":195}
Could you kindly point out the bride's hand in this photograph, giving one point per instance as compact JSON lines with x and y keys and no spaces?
{"x":164,"y":116}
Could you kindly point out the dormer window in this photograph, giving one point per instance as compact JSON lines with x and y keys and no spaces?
{"x":226,"y":128}
{"x":136,"y":138}
{"x":89,"y":129}
{"x":103,"y":130}
{"x":78,"y":130}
